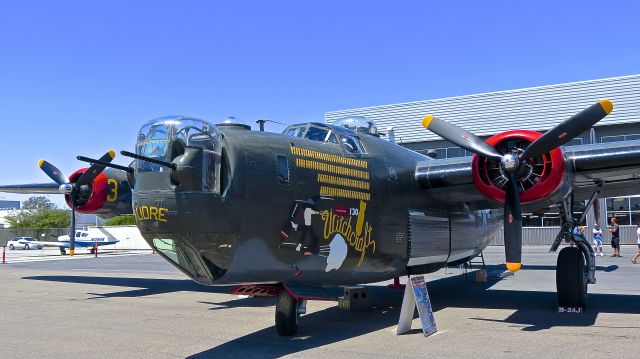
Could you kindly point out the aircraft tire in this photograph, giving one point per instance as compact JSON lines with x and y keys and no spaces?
{"x":571,"y":280}
{"x":92,"y":250}
{"x":11,"y":247}
{"x":286,"y":314}
{"x":26,"y":247}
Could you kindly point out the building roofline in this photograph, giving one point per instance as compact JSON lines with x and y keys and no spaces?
{"x":483,"y":94}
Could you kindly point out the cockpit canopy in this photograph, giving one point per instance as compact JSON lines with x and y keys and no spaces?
{"x":166,"y":138}
{"x":358,"y":124}
{"x":344,"y":138}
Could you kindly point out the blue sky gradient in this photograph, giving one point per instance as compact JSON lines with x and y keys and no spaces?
{"x":80,"y":77}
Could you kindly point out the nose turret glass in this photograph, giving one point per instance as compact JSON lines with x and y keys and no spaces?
{"x":168,"y":138}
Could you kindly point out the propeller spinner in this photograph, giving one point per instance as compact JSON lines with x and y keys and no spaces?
{"x":513,"y":160}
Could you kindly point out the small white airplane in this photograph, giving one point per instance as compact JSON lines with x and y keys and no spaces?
{"x":90,"y":238}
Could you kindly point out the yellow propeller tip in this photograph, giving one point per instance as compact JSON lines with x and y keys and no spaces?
{"x":112,"y":153}
{"x":514,"y":267}
{"x":427,"y":121}
{"x":607,"y":106}
{"x":40,"y":163}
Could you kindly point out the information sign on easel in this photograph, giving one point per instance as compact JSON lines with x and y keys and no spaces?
{"x":416,"y":295}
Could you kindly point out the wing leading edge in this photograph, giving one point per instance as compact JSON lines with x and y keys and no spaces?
{"x":32,"y":188}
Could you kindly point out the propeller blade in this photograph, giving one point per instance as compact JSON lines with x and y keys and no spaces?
{"x":460,"y":137}
{"x":53,"y":172}
{"x":90,"y":174}
{"x":512,"y":225}
{"x":568,"y":129}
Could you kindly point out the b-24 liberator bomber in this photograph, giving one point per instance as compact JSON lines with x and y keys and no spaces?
{"x":285,"y":214}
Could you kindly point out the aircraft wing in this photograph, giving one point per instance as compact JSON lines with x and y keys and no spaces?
{"x":52,"y":244}
{"x":614,"y":164}
{"x":37,"y":188}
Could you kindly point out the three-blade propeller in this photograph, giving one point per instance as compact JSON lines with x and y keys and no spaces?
{"x":78,"y":191}
{"x":512,"y":160}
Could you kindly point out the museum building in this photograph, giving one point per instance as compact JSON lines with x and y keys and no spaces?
{"x":535,"y":108}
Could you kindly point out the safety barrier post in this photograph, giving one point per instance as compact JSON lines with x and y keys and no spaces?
{"x":4,"y":254}
{"x":95,"y":251}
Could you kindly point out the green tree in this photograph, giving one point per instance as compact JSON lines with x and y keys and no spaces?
{"x":40,"y":219}
{"x":38,"y":203}
{"x":121,"y":221}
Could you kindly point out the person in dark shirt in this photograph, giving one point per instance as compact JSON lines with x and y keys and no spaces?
{"x":615,"y":237}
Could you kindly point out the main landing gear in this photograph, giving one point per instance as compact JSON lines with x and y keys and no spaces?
{"x":576,"y":267}
{"x":571,"y":278}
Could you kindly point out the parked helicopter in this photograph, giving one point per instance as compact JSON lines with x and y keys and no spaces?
{"x":285,"y":214}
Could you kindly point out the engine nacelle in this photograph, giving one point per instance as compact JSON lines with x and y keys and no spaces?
{"x":537,"y":180}
{"x":108,"y":195}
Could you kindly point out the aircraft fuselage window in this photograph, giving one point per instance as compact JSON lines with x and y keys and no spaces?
{"x":283,"y":169}
{"x":352,"y":145}
{"x":316,"y":134}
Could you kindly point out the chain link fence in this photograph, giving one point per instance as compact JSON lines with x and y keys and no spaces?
{"x":50,"y":234}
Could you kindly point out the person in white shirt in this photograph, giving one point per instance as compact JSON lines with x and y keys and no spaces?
{"x":635,"y":258}
{"x":597,"y":239}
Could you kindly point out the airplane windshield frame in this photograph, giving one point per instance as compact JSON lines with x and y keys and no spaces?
{"x":166,"y":138}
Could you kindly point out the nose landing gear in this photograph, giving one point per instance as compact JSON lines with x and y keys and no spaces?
{"x":288,"y":313}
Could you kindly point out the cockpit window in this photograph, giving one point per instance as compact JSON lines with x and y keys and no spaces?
{"x":297,"y":131}
{"x":352,"y":145}
{"x":333,"y":138}
{"x":316,"y":134}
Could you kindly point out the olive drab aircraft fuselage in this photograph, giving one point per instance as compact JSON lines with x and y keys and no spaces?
{"x":337,"y":205}
{"x":297,"y":210}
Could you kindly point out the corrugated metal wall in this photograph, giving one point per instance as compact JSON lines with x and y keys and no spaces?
{"x":546,"y":235}
{"x":536,"y":108}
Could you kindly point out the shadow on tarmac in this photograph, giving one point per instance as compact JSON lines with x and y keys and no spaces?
{"x":533,"y":311}
{"x":500,"y":267}
{"x":146,"y":286}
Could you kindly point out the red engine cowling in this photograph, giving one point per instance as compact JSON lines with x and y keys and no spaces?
{"x":108,"y":195}
{"x":543,"y":175}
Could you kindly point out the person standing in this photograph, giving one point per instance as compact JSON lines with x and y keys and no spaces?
{"x":597,"y":239}
{"x":635,"y":258}
{"x":615,"y":237}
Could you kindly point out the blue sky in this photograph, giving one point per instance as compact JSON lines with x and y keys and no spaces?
{"x":79,"y":77}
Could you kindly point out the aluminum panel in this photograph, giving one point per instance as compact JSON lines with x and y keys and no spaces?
{"x":428,"y":234}
{"x":535,"y":108}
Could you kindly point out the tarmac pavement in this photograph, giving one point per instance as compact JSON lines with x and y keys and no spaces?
{"x":139,"y":306}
